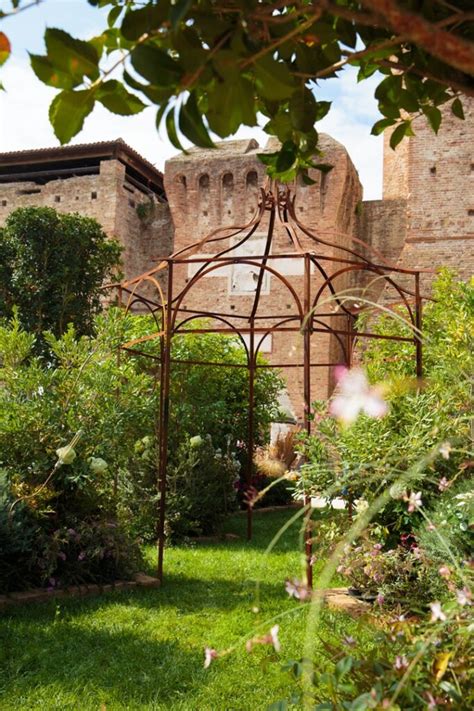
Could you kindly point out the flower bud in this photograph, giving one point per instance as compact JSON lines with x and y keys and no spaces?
{"x":66,"y":455}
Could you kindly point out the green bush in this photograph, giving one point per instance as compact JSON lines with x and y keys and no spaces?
{"x":109,"y":405}
{"x":52,"y":267}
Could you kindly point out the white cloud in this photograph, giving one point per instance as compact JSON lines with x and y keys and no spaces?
{"x":24,"y":123}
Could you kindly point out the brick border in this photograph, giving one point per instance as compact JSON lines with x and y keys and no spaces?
{"x":41,"y":595}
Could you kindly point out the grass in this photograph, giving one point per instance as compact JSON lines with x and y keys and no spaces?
{"x":143,"y":649}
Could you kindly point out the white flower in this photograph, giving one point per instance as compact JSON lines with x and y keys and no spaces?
{"x":318,"y":502}
{"x":361,"y":505}
{"x":445,"y":449}
{"x":40,"y":390}
{"x":274,"y":636}
{"x":209,"y":655}
{"x":97,"y":465}
{"x":195,"y":441}
{"x":354,"y":395}
{"x":66,"y":455}
{"x":414,"y":501}
{"x":436,"y":612}
{"x":338,"y":504}
{"x":464,"y":596}
{"x":401,"y":662}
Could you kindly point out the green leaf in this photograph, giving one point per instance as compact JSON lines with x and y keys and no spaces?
{"x":68,"y":111}
{"x":5,"y":48}
{"x":155,"y":65}
{"x":171,"y":130}
{"x":323,"y":167}
{"x":178,"y":10}
{"x":113,"y":95}
{"x":238,"y":98}
{"x":303,"y":110}
{"x":398,"y":135}
{"x":113,"y":15}
{"x":388,"y":91}
{"x":457,"y":108}
{"x":434,"y":117}
{"x":343,"y":666}
{"x":51,"y":76}
{"x":71,"y":55}
{"x":155,"y":94}
{"x":191,"y":124}
{"x":408,"y":101}
{"x":159,"y":115}
{"x":380,"y":126}
{"x":138,"y":22}
{"x":286,"y":157}
{"x":273,"y":79}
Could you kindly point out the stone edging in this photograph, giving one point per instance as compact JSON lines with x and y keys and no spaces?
{"x":41,"y":595}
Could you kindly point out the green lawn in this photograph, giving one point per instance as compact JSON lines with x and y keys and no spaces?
{"x":143,"y":649}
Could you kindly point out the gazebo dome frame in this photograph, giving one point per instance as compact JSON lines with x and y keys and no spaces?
{"x":319,"y":272}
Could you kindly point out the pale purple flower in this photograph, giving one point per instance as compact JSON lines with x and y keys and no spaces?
{"x":445,"y":450}
{"x":81,"y":556}
{"x":354,"y":395}
{"x":464,"y":596}
{"x":443,"y":484}
{"x":295,"y":588}
{"x":62,"y":555}
{"x":401,"y":662}
{"x":414,"y":501}
{"x":436,"y":612}
{"x":349,"y":641}
{"x":209,"y":655}
{"x":380,"y":599}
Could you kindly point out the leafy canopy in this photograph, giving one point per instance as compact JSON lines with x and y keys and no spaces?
{"x":210,"y":66}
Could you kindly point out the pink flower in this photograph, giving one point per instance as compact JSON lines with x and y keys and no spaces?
{"x":401,"y":662}
{"x":209,"y":655}
{"x":414,"y":501}
{"x":270,"y":638}
{"x":443,"y":484}
{"x":380,"y":599}
{"x":354,"y":395}
{"x":444,"y":571}
{"x":295,"y":588}
{"x":464,"y":596}
{"x":436,"y":612}
{"x":432,"y":703}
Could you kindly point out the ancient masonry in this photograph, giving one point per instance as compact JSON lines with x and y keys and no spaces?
{"x":425,"y":219}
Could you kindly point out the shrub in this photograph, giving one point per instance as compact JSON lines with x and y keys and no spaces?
{"x":52,"y":266}
{"x":201,"y":487}
{"x":108,"y":404}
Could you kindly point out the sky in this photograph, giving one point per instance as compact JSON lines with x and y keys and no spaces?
{"x":24,"y":103}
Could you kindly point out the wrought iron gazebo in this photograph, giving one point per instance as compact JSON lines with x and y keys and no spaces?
{"x":322,"y":299}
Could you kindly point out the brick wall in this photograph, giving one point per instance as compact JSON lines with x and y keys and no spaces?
{"x":439,"y":173}
{"x":107,"y":197}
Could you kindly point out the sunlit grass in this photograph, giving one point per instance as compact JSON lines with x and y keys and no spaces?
{"x":143,"y":649}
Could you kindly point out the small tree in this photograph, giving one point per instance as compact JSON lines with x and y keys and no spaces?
{"x":52,"y":267}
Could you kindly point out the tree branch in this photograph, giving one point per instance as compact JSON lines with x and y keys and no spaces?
{"x":450,"y":48}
